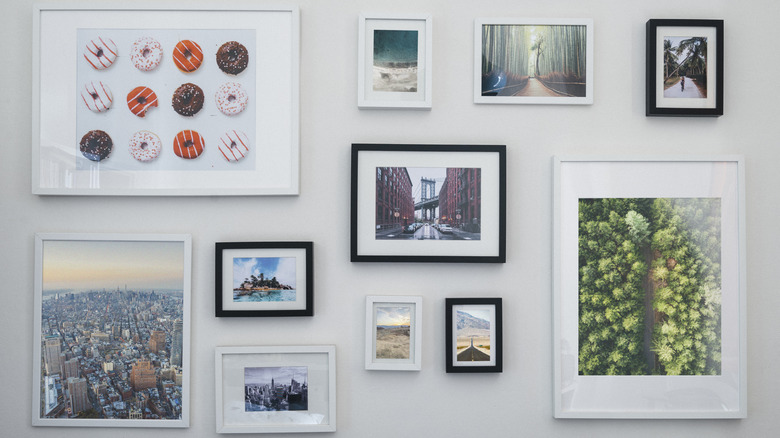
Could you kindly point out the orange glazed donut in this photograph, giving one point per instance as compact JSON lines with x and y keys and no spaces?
{"x":187,"y":56}
{"x":188,"y":144}
{"x":141,"y":99}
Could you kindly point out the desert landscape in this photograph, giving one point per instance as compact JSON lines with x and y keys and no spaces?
{"x":392,"y":342}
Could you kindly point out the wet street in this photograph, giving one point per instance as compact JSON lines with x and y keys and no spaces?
{"x":426,"y":232}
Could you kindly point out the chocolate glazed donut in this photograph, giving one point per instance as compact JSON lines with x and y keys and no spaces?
{"x":188,"y":99}
{"x":232,"y":57}
{"x":96,"y":145}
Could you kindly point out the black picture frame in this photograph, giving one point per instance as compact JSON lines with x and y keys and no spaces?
{"x":494,"y":361}
{"x":383,"y":205}
{"x":227,"y":252}
{"x":662,"y":100}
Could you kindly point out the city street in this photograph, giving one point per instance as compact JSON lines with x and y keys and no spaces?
{"x":426,"y":232}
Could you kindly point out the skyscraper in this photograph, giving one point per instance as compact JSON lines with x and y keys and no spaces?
{"x":157,"y":341}
{"x":142,"y":375}
{"x":51,"y":354}
{"x":70,"y":368}
{"x":77,"y":390}
{"x":176,"y":347}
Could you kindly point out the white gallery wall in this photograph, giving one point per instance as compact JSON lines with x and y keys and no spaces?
{"x":517,"y":402}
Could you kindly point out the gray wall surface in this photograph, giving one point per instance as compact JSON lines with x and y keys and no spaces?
{"x":517,"y":402}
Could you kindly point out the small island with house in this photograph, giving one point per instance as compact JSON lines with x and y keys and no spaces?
{"x":254,"y":284}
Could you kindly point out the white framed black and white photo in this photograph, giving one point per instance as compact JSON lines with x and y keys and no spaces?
{"x":649,"y":287}
{"x":394,"y":333}
{"x":275,"y":389}
{"x":428,"y":203}
{"x":102,"y":357}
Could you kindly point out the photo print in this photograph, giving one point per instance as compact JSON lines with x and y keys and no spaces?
{"x":276,"y":388}
{"x":264,"y":279}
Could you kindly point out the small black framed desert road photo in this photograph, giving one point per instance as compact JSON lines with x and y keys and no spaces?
{"x":684,"y":68}
{"x":474,"y":335}
{"x":264,"y":279}
{"x":428,"y":203}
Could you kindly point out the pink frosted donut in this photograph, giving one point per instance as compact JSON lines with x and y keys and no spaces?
{"x":145,"y":146}
{"x":97,"y":96}
{"x":100,"y":53}
{"x":234,"y":145}
{"x":231,"y":98}
{"x":146,"y":53}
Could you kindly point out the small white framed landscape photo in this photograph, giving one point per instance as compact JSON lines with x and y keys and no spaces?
{"x":276,"y":389}
{"x":649,"y":287}
{"x":394,"y":333}
{"x":394,"y":61}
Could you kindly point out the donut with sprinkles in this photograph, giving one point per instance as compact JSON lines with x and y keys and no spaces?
{"x":146,"y":53}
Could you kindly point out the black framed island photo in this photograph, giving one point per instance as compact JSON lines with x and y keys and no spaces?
{"x":428,"y":203}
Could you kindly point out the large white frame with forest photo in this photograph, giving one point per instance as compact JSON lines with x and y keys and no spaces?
{"x":61,"y":121}
{"x":108,"y":271}
{"x":629,"y":374}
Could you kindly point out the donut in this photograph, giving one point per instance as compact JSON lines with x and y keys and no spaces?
{"x":187,"y":99}
{"x":145,"y":146}
{"x":96,"y":145}
{"x":140,"y":99}
{"x":234,"y":145}
{"x":188,"y":144}
{"x":97,"y":97}
{"x":100,"y":53}
{"x":231,"y":98}
{"x":146,"y":53}
{"x":187,"y":56}
{"x":232,"y":57}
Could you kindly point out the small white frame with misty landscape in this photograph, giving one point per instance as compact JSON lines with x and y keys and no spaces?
{"x":394,"y":61}
{"x":394,"y":333}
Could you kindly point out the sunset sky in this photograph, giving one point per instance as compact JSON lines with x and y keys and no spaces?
{"x":393,"y":315}
{"x":87,"y":264}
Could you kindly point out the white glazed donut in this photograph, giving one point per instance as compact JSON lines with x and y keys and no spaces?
{"x":231,"y":98}
{"x":97,"y":96}
{"x":234,"y":145}
{"x":145,"y":146}
{"x":100,"y":53}
{"x":146,"y":53}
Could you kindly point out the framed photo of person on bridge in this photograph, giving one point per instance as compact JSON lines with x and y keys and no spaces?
{"x":533,"y":61}
{"x":474,"y":335}
{"x":684,"y":68}
{"x":428,"y":203}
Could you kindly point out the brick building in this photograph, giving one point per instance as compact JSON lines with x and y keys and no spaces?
{"x":393,"y":195}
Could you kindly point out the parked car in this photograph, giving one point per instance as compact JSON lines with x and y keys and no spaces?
{"x":445,"y":228}
{"x":411,"y":228}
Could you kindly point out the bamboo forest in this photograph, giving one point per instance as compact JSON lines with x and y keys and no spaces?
{"x":531,"y":60}
{"x":649,"y":286}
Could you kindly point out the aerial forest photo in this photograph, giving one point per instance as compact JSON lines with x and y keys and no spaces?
{"x":685,"y":67}
{"x":649,"y":286}
{"x":534,"y":60}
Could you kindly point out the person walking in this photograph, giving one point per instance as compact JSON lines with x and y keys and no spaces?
{"x":682,"y":84}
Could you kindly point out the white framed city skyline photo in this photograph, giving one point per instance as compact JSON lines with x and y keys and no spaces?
{"x":112,"y":330}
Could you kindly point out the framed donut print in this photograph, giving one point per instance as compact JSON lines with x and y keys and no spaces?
{"x":264,"y":279}
{"x":167,"y":102}
{"x":112,"y":330}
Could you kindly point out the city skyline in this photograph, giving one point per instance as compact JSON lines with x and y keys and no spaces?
{"x":96,"y":265}
{"x":280,"y":375}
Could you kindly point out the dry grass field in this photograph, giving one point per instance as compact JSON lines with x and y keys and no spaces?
{"x":392,"y":343}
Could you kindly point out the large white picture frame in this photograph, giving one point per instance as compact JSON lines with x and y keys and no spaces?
{"x":701,"y":377}
{"x":244,"y":374}
{"x":62,"y":118}
{"x":104,"y":368}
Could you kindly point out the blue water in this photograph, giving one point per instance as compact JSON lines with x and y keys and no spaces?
{"x":273,"y":295}
{"x":395,"y":46}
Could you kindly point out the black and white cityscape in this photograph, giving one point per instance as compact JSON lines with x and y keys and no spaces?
{"x":276,"y":389}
